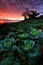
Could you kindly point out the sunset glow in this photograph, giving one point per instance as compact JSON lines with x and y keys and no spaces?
{"x":13,"y":9}
{"x":10,"y":15}
{"x":2,"y":22}
{"x":12,"y":18}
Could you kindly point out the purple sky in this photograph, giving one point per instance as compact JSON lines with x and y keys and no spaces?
{"x":15,"y":8}
{"x":37,"y":4}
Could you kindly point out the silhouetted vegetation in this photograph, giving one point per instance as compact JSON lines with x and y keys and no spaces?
{"x":30,"y":15}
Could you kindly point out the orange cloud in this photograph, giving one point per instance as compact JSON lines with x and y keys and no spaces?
{"x":10,"y":14}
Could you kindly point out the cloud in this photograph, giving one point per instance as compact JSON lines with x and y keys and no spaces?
{"x":19,"y":6}
{"x":22,"y":3}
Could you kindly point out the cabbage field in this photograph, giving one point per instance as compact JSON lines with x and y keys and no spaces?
{"x":20,"y":43}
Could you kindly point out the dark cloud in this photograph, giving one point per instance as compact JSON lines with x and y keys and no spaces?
{"x":31,"y":4}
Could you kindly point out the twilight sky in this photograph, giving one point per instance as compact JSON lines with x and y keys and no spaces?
{"x":13,"y":9}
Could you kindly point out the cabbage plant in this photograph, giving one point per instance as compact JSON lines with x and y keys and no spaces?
{"x":21,"y":48}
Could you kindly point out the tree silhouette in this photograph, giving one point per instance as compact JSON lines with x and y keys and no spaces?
{"x":33,"y":16}
{"x":30,"y":14}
